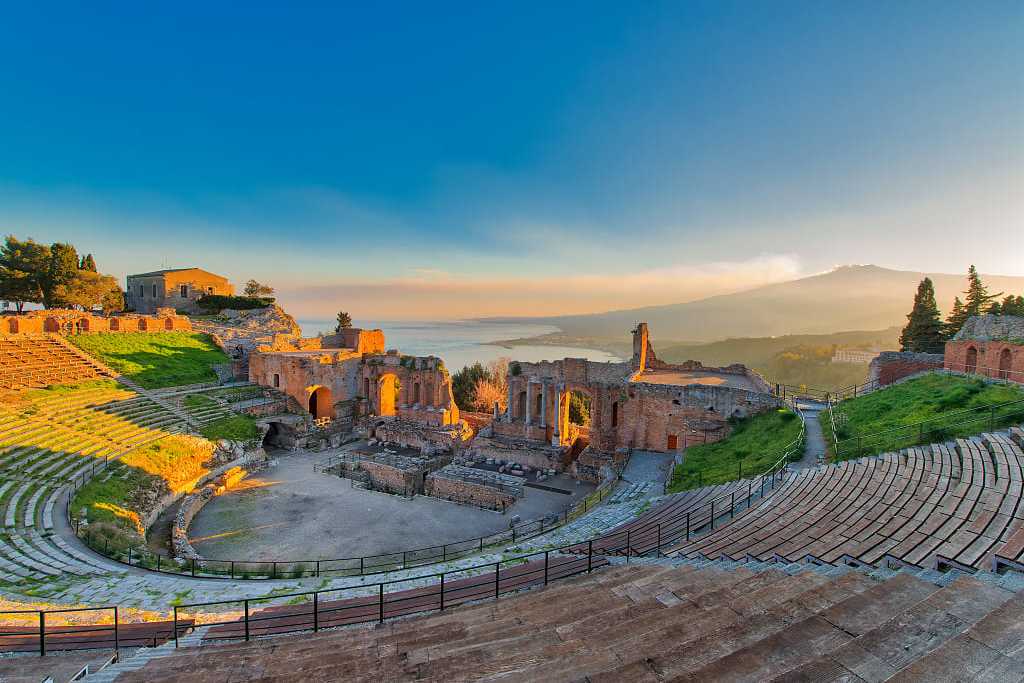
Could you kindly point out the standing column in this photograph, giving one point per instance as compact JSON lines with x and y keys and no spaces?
{"x":544,"y":404}
{"x":556,"y":436}
{"x":508,"y":410}
{"x":529,"y":396}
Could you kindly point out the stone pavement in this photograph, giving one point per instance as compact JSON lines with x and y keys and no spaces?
{"x":814,"y":445}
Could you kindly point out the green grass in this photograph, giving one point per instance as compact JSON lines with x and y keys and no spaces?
{"x":758,"y":441}
{"x":159,"y":359}
{"x":199,"y":401}
{"x":923,"y":410}
{"x":235,"y":428}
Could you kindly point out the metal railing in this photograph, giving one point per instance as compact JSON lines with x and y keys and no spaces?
{"x":61,"y":636}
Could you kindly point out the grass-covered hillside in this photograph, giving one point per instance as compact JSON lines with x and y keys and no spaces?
{"x":927,"y":409}
{"x":757,"y":441}
{"x":154,"y":360}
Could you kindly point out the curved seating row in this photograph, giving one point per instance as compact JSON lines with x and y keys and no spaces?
{"x":941,"y":505}
{"x":40,"y":361}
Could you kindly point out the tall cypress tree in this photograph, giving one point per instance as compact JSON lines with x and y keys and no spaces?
{"x":957,"y":318}
{"x":923,"y":332}
{"x":977,"y":296}
{"x":88,"y":263}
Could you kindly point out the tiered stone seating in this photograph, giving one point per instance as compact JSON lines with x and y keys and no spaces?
{"x":47,"y":440}
{"x":694,"y":621}
{"x":942,"y":505}
{"x":28,"y":361}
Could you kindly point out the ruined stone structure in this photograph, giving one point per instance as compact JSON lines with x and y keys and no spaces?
{"x":68,"y":321}
{"x":890,"y":366}
{"x":643,"y":403}
{"x":472,"y":486}
{"x":176,"y":288}
{"x":989,"y":345}
{"x":401,"y":399}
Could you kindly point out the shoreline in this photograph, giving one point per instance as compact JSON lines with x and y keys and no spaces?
{"x":621,"y":350}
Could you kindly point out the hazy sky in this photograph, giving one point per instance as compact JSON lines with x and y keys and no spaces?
{"x":432,"y":160}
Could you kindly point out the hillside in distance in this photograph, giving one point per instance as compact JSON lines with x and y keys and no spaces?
{"x":847,"y":298}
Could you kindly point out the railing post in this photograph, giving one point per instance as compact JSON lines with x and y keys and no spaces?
{"x":273,"y":569}
{"x":712,"y":514}
{"x":687,"y":526}
{"x":232,"y":569}
{"x":117,"y":635}
{"x":545,"y":567}
{"x":657,"y":551}
{"x":42,"y":633}
{"x":360,"y":566}
{"x":193,"y":567}
{"x":628,"y":532}
{"x":175,"y":627}
{"x":732,"y":504}
{"x":318,"y":568}
{"x":316,"y":609}
{"x":245,"y":605}
{"x":590,"y":556}
{"x":497,"y":585}
{"x":442,"y":591}
{"x":380,"y":597}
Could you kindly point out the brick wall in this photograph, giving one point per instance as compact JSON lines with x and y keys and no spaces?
{"x":890,"y":366}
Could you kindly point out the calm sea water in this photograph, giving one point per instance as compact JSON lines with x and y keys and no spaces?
{"x":463,"y":342}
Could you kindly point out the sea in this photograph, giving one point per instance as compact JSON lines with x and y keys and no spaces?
{"x":463,"y":342}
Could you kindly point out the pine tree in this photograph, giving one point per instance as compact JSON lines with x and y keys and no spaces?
{"x":978,"y":298}
{"x":923,"y":332}
{"x":957,"y":318}
{"x":1011,"y":305}
{"x":88,"y":263}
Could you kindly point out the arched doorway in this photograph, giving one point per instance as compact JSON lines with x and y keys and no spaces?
{"x":387,"y":388}
{"x":1004,"y":364}
{"x":320,"y":403}
{"x":521,"y":405}
{"x":971,"y":364}
{"x":615,"y":414}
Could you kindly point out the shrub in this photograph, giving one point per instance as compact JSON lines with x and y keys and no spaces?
{"x":218,"y":302}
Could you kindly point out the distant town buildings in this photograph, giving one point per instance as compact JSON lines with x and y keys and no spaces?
{"x":854,"y":356}
{"x":177,"y":288}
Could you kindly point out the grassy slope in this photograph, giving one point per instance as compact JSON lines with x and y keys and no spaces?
{"x":934,"y":398}
{"x":236,"y":428}
{"x":758,"y":440}
{"x":154,"y":360}
{"x":170,"y":464}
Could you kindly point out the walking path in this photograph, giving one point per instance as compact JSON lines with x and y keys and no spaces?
{"x":814,"y":442}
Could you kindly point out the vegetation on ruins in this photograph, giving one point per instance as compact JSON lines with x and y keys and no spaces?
{"x":235,"y":428}
{"x":754,"y":444}
{"x":53,"y":275}
{"x":254,"y":289}
{"x":477,"y":387}
{"x":926,"y":409}
{"x":579,"y":408}
{"x":214,"y":303}
{"x":344,"y":321}
{"x":156,"y":359}
{"x":924,"y":326}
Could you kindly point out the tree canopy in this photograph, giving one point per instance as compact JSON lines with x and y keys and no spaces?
{"x":924,"y":330}
{"x":257,"y":289}
{"x":344,"y":321}
{"x":53,"y":276}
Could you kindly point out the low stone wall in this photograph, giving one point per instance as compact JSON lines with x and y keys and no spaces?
{"x":470,"y":486}
{"x":392,"y":478}
{"x":890,"y":366}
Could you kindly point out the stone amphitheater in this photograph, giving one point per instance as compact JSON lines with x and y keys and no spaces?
{"x":908,"y":565}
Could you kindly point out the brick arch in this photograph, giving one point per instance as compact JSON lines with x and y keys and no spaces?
{"x":971,"y":360}
{"x":1005,"y":362}
{"x":320,"y":403}
{"x":387,"y":389}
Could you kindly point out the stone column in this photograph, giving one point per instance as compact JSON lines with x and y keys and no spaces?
{"x":544,"y":404}
{"x":508,"y":410}
{"x":529,"y":395}
{"x":495,"y":411}
{"x":556,"y":436}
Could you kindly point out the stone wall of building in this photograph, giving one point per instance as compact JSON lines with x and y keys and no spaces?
{"x":890,"y":366}
{"x":995,"y":359}
{"x":178,"y":289}
{"x":470,"y":486}
{"x":70,"y":322}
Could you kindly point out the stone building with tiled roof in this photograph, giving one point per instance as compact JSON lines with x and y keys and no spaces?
{"x":177,"y":288}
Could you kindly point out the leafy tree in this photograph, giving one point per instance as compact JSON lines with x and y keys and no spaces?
{"x":923,"y":332}
{"x":60,"y":272}
{"x":113,"y":300}
{"x":579,"y":409}
{"x":22,"y":265}
{"x":1011,"y":305}
{"x":977,"y":297}
{"x":464,"y":385}
{"x":257,"y":289}
{"x":88,"y":290}
{"x":87,"y":263}
{"x":493,"y":387}
{"x":957,"y":318}
{"x":344,"y":321}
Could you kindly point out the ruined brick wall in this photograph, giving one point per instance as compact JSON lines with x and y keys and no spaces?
{"x":996,"y":359}
{"x":358,"y":340}
{"x":413,"y":388}
{"x":299,"y":374}
{"x":69,"y":322}
{"x":451,"y":484}
{"x":392,"y":479}
{"x":890,"y":366}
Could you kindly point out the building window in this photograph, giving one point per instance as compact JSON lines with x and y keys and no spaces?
{"x":209,"y":290}
{"x":184,"y":291}
{"x":277,"y":380}
{"x":154,"y":291}
{"x":141,"y":292}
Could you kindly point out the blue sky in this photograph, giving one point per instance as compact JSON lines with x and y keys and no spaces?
{"x":423,"y":160}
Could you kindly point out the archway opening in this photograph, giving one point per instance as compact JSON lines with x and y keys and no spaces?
{"x":615,"y":414}
{"x":1004,"y":364}
{"x":387,"y":388}
{"x":320,"y":403}
{"x":971,"y":364}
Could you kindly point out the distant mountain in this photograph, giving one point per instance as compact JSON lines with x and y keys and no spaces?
{"x":847,"y":298}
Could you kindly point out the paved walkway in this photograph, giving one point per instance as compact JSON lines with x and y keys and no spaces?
{"x":814,"y":446}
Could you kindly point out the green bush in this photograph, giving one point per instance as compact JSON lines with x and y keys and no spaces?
{"x":218,"y":302}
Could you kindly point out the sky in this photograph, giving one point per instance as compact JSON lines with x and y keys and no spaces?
{"x":451,"y":160}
